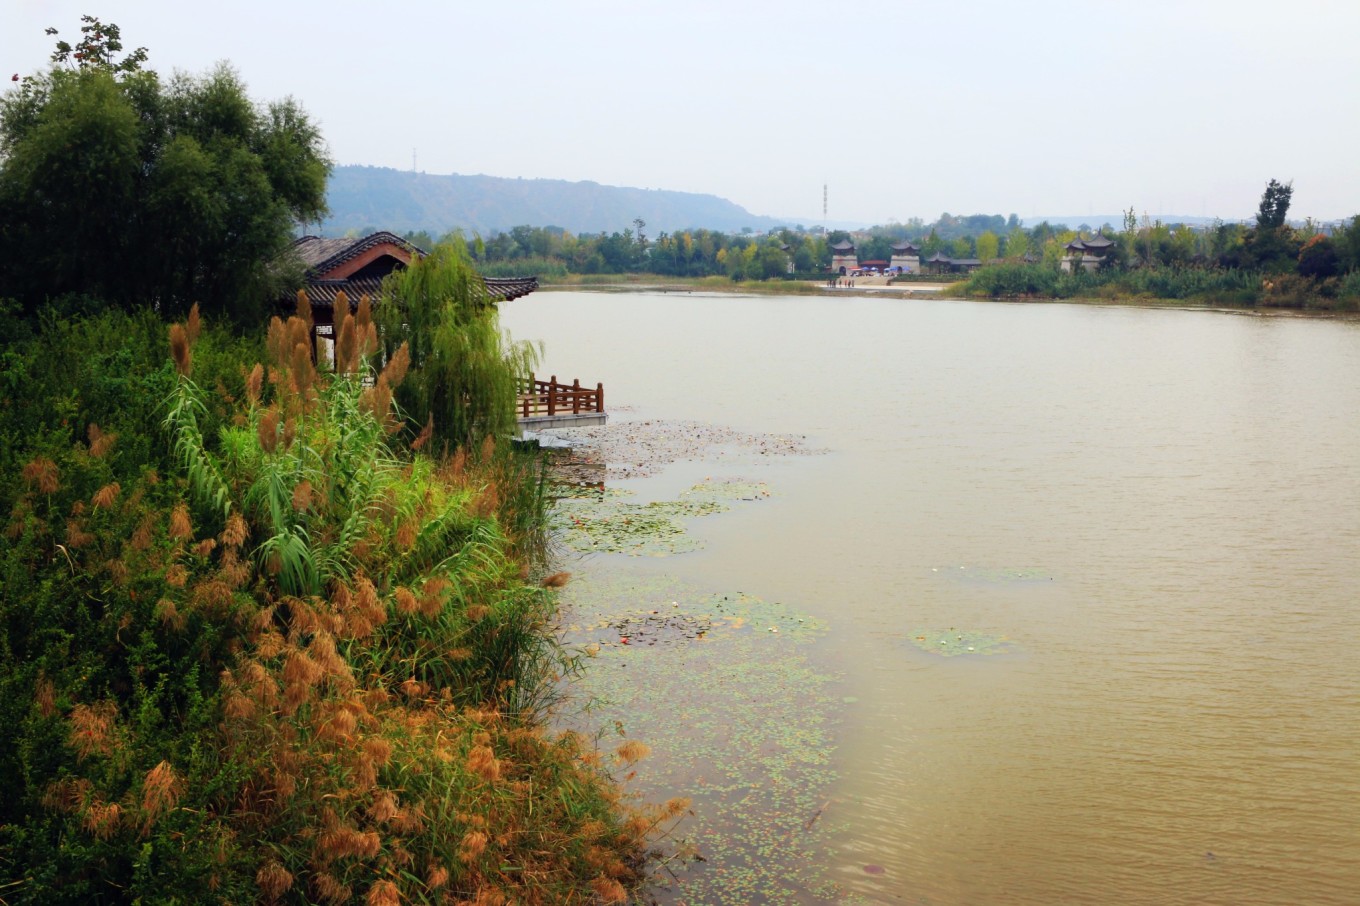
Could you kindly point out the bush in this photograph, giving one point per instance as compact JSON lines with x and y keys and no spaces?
{"x":285,"y":661}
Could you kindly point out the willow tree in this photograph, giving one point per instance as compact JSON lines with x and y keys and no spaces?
{"x":465,"y":371}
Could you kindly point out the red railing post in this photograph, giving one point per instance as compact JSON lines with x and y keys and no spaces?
{"x":552,"y":401}
{"x":599,"y":397}
{"x":576,"y":397}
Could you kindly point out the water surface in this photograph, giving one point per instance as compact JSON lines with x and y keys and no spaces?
{"x":1158,"y":512}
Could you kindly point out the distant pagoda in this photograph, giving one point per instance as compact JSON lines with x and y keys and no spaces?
{"x":843,"y":257}
{"x":1089,"y":254}
{"x":905,"y":257}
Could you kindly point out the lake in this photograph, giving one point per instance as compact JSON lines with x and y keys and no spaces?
{"x":1145,"y":525}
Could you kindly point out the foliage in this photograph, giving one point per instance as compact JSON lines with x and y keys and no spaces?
{"x":1318,"y":258}
{"x":465,"y":372}
{"x":1014,"y":280}
{"x":97,"y":45}
{"x":1274,"y":207}
{"x":122,"y":186}
{"x":320,"y":687}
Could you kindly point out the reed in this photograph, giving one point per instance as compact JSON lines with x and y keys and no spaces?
{"x":304,"y":666}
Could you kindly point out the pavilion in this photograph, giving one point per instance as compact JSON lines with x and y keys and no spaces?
{"x":357,"y":268}
{"x":1089,"y":254}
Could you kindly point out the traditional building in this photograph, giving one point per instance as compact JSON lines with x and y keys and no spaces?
{"x":905,"y":257}
{"x":357,"y":267}
{"x":843,"y":258}
{"x":939,"y":263}
{"x":1089,"y":254}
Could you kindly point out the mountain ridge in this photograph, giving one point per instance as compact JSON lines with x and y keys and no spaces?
{"x":381,"y":197}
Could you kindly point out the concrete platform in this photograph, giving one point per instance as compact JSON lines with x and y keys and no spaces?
{"x":560,"y":420}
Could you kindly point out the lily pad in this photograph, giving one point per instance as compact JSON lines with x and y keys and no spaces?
{"x":959,"y":642}
{"x":603,"y":521}
{"x":738,"y":718}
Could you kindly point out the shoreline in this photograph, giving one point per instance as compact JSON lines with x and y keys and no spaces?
{"x":920,"y":291}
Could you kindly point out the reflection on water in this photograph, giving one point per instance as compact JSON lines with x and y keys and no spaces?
{"x":1177,"y":716}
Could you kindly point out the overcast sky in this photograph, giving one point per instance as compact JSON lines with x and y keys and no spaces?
{"x":901,"y":108}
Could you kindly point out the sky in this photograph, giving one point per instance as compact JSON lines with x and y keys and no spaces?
{"x":901,"y":109}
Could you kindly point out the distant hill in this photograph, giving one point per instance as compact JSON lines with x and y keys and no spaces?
{"x":400,"y":200}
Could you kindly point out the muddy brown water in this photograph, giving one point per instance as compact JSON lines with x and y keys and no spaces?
{"x":1157,"y":512}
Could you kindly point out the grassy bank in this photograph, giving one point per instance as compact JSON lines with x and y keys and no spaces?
{"x":1217,"y":287}
{"x":258,"y":644}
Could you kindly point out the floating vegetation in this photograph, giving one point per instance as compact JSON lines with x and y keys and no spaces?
{"x":639,"y":449}
{"x":992,"y":575}
{"x":727,"y":490}
{"x":722,"y":687}
{"x":953,"y":642}
{"x":602,"y":521}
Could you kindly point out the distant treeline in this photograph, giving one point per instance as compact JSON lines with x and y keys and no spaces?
{"x":1269,"y":262}
{"x":552,"y":251}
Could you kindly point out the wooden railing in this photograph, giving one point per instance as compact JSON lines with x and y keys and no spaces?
{"x":548,"y":398}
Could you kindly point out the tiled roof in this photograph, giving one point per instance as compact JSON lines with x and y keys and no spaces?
{"x":503,"y":289}
{"x":322,"y":293}
{"x":321,"y":256}
{"x":843,"y":246}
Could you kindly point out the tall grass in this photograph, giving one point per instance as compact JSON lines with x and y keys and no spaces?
{"x":293,"y":661}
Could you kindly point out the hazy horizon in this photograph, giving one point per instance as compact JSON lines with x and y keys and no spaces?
{"x":901,"y":111}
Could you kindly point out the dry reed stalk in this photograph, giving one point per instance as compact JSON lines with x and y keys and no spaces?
{"x":383,"y":893}
{"x":235,"y":532}
{"x":41,"y":473}
{"x":273,"y":880}
{"x":609,"y":890}
{"x":160,"y":791}
{"x":45,"y":696}
{"x":102,"y":819}
{"x":255,"y":384}
{"x":302,"y":496}
{"x":472,"y":846}
{"x":105,"y":496}
{"x":179,"y":349}
{"x":91,"y":730}
{"x":633,"y":751}
{"x":193,"y":325}
{"x":180,"y":526}
{"x":100,"y":443}
{"x":304,"y":309}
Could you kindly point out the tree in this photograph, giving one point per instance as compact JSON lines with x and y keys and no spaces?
{"x":1318,"y":258}
{"x":96,"y":48}
{"x":465,"y":373}
{"x":987,"y":246}
{"x":1347,"y":242}
{"x":1274,"y":205}
{"x":117,"y":185}
{"x":1272,"y":244}
{"x":1017,"y":243}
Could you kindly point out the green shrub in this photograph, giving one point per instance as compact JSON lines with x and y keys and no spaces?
{"x":287,"y":660}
